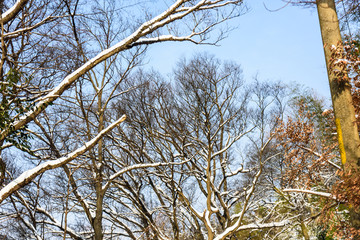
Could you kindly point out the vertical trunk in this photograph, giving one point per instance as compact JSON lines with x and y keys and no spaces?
{"x":304,"y":230}
{"x":97,"y":224}
{"x":347,"y":132}
{"x":98,"y":230}
{"x":2,"y":169}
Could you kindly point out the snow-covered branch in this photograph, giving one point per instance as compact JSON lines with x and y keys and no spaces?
{"x":27,"y":176}
{"x":11,"y":12}
{"x":230,"y":143}
{"x":138,"y":166}
{"x":320,"y":156}
{"x":56,"y":223}
{"x":321,"y":194}
{"x":256,"y":226}
{"x":27,"y":29}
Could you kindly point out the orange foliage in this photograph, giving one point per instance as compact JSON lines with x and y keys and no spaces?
{"x":305,"y":153}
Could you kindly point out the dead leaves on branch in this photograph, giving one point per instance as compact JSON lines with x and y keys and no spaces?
{"x":306,"y":151}
{"x":345,"y":62}
{"x":308,"y":147}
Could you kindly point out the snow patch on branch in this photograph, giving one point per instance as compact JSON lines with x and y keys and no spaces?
{"x":252,"y":226}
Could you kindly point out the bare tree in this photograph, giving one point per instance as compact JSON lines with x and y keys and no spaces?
{"x":79,"y":56}
{"x":199,"y":16}
{"x":200,"y":123}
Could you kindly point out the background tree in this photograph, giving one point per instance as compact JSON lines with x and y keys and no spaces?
{"x":198,"y":122}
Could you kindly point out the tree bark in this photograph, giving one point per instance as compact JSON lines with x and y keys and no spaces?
{"x":347,"y":131}
{"x":304,"y":230}
{"x":348,"y":135}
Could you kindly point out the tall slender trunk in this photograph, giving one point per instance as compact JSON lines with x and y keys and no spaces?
{"x":98,"y":228}
{"x":97,"y":223}
{"x":347,"y":131}
{"x":304,"y":229}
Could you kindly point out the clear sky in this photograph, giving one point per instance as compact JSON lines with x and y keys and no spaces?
{"x":282,"y":45}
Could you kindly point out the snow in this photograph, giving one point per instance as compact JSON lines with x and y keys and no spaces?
{"x":321,"y":194}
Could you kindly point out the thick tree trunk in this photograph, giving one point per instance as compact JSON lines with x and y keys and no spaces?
{"x":348,"y":135}
{"x":347,"y":131}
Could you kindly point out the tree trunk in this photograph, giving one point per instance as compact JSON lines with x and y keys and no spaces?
{"x":304,"y":230}
{"x":97,"y":224}
{"x":347,"y":131}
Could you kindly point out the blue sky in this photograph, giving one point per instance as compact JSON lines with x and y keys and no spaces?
{"x":282,"y":45}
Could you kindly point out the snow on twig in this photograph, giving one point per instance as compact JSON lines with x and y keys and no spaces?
{"x":21,"y":31}
{"x":321,"y":194}
{"x":254,"y":226}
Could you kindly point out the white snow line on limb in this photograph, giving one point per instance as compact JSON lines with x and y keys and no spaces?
{"x":320,"y":156}
{"x":230,"y":143}
{"x":334,"y":164}
{"x":264,"y":225}
{"x":239,"y":170}
{"x":164,"y":38}
{"x":11,"y":12}
{"x":207,"y":222}
{"x":321,"y":194}
{"x":27,"y":29}
{"x":27,"y":176}
{"x":252,"y":226}
{"x":213,"y":5}
{"x":137,"y":166}
{"x":58,"y":90}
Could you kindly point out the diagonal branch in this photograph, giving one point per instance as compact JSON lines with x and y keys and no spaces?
{"x":28,"y":29}
{"x":11,"y":12}
{"x":138,"y":166}
{"x":27,"y":176}
{"x":256,"y":226}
